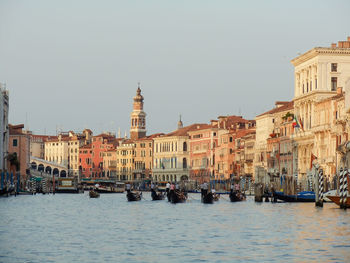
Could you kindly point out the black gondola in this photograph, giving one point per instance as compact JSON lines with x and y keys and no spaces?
{"x":94,"y":194}
{"x":177,"y":196}
{"x":208,"y":198}
{"x":131,"y":196}
{"x":168,"y":194}
{"x":237,"y":196}
{"x":216,"y":197}
{"x":157,"y":196}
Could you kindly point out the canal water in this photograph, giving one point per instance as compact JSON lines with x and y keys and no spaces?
{"x":75,"y":228}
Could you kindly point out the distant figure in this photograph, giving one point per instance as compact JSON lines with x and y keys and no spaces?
{"x":152,"y":186}
{"x":128,"y":187}
{"x":231,"y":188}
{"x":177,"y":187}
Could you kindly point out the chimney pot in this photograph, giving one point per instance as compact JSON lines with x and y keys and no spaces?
{"x":334,"y":45}
{"x":348,"y":38}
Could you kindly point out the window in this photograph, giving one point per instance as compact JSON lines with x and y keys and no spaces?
{"x":334,"y":84}
{"x":231,"y":139}
{"x":334,"y":67}
{"x":14,"y":142}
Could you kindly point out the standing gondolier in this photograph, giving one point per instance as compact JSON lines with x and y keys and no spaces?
{"x":204,"y":189}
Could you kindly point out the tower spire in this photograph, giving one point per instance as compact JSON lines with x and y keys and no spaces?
{"x":180,"y":124}
{"x":138,"y":116}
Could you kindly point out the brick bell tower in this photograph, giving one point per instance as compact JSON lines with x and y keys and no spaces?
{"x":138,"y":117}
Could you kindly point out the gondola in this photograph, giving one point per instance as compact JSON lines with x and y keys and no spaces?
{"x":208,"y":198}
{"x":168,"y":195}
{"x":306,"y":196}
{"x":94,"y":194}
{"x":216,"y":197}
{"x":237,"y":196}
{"x":157,"y":196}
{"x":133,"y":196}
{"x":177,"y":196}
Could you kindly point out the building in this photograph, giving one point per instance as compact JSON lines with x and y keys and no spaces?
{"x":100,"y":144}
{"x":265,"y":126}
{"x":37,"y":145}
{"x":4,"y":129}
{"x":64,"y":149}
{"x":138,"y":118}
{"x":18,"y":157}
{"x":330,"y":132}
{"x":125,"y":161}
{"x":171,"y":155}
{"x":228,"y":152}
{"x":202,"y":145}
{"x":249,"y":153}
{"x":280,"y":147}
{"x":317,"y":74}
{"x":85,"y":161}
{"x":110,"y":163}
{"x":143,"y":157}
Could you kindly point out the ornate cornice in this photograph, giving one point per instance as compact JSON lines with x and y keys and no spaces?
{"x":319,"y":51}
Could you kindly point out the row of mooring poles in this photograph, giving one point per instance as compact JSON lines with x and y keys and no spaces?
{"x":343,"y":187}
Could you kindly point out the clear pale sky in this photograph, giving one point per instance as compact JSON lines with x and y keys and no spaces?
{"x":76,"y":64}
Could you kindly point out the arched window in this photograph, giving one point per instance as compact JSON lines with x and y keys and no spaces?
{"x":184,"y":163}
{"x":185,"y":147}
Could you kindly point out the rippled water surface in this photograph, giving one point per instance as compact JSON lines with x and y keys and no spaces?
{"x":75,"y":228}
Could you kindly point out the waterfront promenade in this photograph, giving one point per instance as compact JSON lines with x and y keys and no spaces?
{"x":74,"y":228}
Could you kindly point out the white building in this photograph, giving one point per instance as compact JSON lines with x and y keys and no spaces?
{"x":318,"y":74}
{"x":4,"y":129}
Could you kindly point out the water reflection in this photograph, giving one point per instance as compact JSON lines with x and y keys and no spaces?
{"x":61,"y":228}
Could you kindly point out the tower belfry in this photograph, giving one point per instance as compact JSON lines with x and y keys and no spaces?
{"x":138,"y":117}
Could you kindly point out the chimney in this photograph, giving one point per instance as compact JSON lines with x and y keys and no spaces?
{"x":349,"y":39}
{"x":334,"y":45}
{"x":339,"y":90}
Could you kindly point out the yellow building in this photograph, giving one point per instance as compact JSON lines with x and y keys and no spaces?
{"x":125,"y":160}
{"x":110,"y":163}
{"x":143,"y":157}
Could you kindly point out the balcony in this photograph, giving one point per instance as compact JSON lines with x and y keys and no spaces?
{"x":170,"y":170}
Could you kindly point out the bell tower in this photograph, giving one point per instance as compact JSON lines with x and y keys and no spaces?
{"x":138,"y":117}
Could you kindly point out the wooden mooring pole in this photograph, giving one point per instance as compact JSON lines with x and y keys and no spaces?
{"x":319,"y":202}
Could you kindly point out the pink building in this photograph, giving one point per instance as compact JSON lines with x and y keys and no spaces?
{"x":202,"y":153}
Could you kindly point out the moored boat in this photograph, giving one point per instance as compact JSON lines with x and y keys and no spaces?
{"x":306,"y":196}
{"x":336,"y":199}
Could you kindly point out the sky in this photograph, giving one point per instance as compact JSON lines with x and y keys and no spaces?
{"x":70,"y":65}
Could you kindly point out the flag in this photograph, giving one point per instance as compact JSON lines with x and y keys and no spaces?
{"x":301,"y":124}
{"x":295,"y":122}
{"x":313,"y":157}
